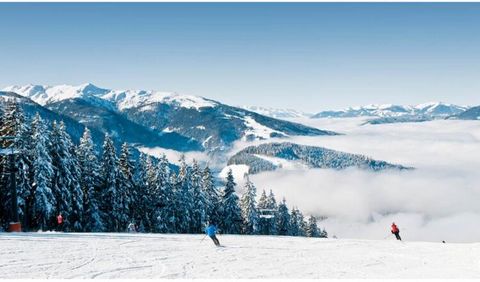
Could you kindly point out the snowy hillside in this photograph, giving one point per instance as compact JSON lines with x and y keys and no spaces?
{"x":217,"y":128}
{"x":430,"y":110}
{"x":398,"y":119}
{"x":470,"y":114}
{"x":286,"y":155}
{"x":54,"y":255}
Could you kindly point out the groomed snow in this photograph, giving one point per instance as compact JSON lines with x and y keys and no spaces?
{"x":258,"y":130}
{"x":107,"y":255}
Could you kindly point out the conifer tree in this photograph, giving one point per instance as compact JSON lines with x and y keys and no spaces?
{"x":294,"y":226}
{"x":248,"y":208}
{"x":272,"y":205}
{"x":111,"y":203}
{"x":126,"y":187}
{"x":76,"y":192}
{"x":263,"y":222}
{"x":163,"y":200}
{"x":184,"y":198}
{"x":89,"y":182}
{"x":62,"y":178}
{"x":44,"y":200}
{"x":312,"y":228}
{"x":302,"y":225}
{"x":151,"y":192}
{"x":175,"y":217}
{"x":283,"y":219}
{"x":199,"y":204}
{"x":231,"y":213}
{"x":324,"y":234}
{"x":297,"y":223}
{"x":212,"y":196}
{"x":141,"y":199}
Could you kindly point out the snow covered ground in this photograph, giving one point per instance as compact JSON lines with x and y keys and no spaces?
{"x":60,"y":255}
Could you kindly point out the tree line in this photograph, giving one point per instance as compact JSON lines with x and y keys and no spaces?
{"x":105,"y":192}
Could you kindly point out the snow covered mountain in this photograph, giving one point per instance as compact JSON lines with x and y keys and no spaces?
{"x":428,"y":110}
{"x":272,"y":156}
{"x":114,"y":99}
{"x":277,"y":113}
{"x":439,"y":109}
{"x":194,"y":123}
{"x":216,"y":128}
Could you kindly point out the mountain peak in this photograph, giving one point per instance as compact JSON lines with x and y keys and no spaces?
{"x":91,"y":89}
{"x":431,"y":104}
{"x":87,"y":84}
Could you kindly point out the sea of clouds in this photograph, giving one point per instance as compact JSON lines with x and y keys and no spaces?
{"x":439,"y":200}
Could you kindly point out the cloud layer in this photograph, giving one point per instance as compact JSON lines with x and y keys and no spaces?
{"x":439,"y":200}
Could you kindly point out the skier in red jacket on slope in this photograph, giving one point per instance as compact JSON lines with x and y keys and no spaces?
{"x":396,"y":231}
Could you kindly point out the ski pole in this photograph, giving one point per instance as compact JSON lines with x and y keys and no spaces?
{"x":203,"y":238}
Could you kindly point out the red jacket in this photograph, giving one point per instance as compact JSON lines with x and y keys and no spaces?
{"x":395,"y":228}
{"x":59,"y":219}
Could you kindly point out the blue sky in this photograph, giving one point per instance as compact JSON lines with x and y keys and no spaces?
{"x":309,"y":56}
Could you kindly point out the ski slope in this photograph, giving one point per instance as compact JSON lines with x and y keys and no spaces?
{"x":107,"y":255}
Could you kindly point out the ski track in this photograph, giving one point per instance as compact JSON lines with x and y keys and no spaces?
{"x":108,"y":255}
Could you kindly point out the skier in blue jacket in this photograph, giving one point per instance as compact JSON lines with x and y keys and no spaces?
{"x":211,"y":230}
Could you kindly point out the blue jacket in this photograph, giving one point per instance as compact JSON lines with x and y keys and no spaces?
{"x":211,"y":230}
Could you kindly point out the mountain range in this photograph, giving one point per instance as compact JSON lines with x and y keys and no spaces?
{"x":164,"y":119}
{"x":432,"y":110}
{"x":379,"y":114}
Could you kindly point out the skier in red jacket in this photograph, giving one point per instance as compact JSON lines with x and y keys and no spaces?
{"x":60,"y":222}
{"x":396,"y":231}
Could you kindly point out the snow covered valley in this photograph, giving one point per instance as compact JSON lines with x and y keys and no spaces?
{"x":111,"y":255}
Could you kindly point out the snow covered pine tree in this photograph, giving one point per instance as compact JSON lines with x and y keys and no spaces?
{"x":248,"y":208}
{"x":231,"y":214}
